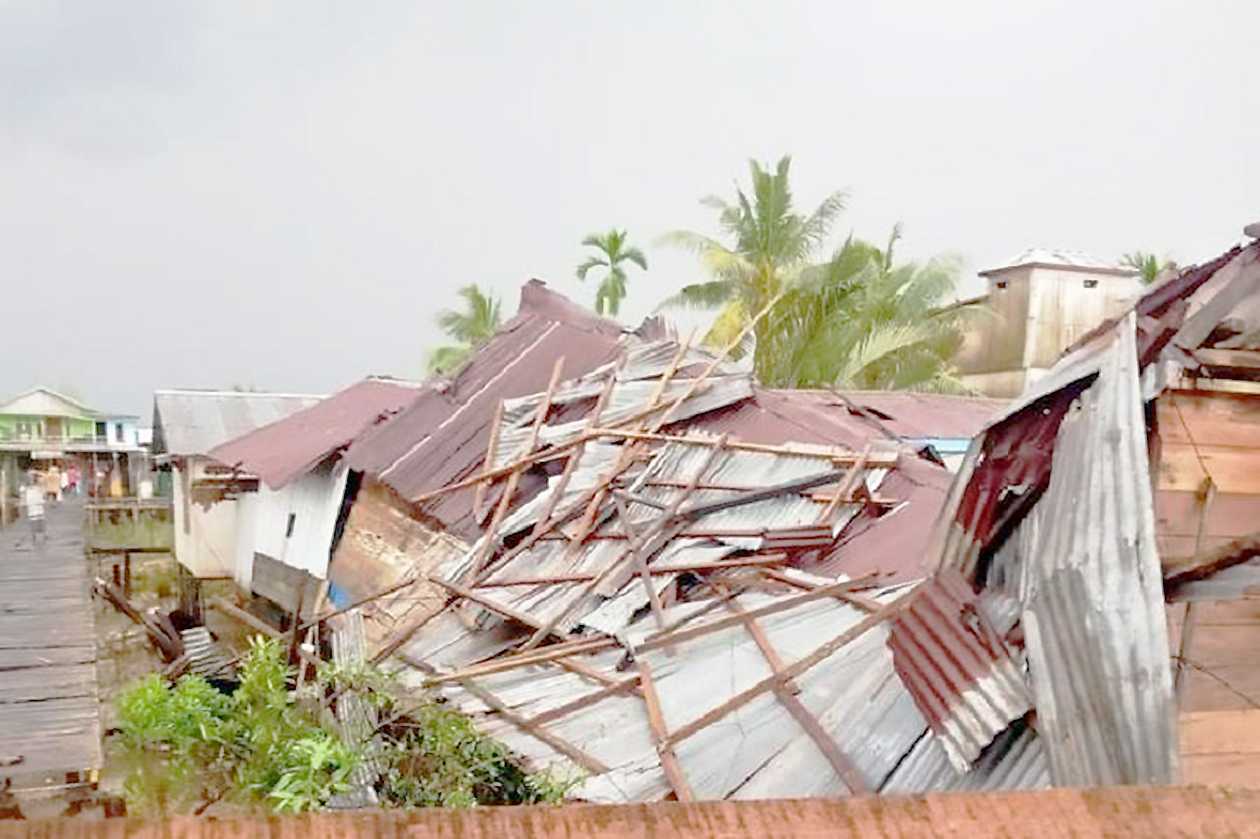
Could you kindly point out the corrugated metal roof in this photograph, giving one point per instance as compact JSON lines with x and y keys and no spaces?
{"x":442,"y":436}
{"x":820,"y":416}
{"x":192,"y":422}
{"x":960,"y":672}
{"x":1016,"y":759}
{"x":1062,"y":257}
{"x":758,"y":750}
{"x":46,"y":402}
{"x":1082,"y":560}
{"x":1102,"y":682}
{"x":289,"y":447}
{"x":1114,"y":813}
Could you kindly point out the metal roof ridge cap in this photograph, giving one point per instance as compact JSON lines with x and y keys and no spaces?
{"x":551,"y":327}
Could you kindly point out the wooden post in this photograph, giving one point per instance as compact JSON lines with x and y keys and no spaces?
{"x":127,"y":573}
{"x":296,"y":636}
{"x":1187,"y":635}
{"x":4,"y":490}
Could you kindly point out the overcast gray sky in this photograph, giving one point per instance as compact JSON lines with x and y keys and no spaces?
{"x":282,"y":194}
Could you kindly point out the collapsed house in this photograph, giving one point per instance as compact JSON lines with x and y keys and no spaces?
{"x":673,"y":590}
{"x":686,"y":534}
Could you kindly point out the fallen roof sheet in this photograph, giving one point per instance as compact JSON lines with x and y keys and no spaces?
{"x":192,"y":422}
{"x":290,"y":447}
{"x":1054,"y":508}
{"x":657,"y":487}
{"x":962,"y":675}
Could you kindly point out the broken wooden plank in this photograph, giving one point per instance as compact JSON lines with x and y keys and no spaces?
{"x":258,"y":625}
{"x":479,"y":495}
{"x":640,"y":561}
{"x":671,"y":635}
{"x":572,"y":752}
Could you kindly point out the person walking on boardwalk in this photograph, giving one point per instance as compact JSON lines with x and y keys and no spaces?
{"x":33,"y":503}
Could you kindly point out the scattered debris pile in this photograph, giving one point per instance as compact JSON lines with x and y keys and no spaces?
{"x":679,"y":611}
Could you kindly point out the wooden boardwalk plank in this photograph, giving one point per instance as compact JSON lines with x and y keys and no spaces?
{"x":49,"y":705}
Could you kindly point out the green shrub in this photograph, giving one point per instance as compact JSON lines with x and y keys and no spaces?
{"x":189,"y":744}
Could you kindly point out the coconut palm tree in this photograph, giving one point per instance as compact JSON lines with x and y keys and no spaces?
{"x":613,"y":253}
{"x":471,"y":328}
{"x":861,"y":321}
{"x":769,"y":245}
{"x":1148,"y":264}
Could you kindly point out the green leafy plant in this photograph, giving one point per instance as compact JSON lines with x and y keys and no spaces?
{"x":189,"y":745}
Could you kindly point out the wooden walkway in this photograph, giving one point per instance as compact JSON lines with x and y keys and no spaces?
{"x":49,"y":710}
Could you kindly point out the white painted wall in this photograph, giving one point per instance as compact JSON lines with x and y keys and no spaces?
{"x":205,"y":538}
{"x":313,"y":500}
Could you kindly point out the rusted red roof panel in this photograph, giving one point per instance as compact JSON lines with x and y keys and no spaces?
{"x":442,"y":437}
{"x":892,"y":543}
{"x":819,"y":416}
{"x":956,"y":667}
{"x":287,"y":448}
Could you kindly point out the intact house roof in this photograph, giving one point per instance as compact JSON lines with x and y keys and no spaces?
{"x":293,"y":445}
{"x":1062,"y":258}
{"x":46,"y":402}
{"x":192,"y":422}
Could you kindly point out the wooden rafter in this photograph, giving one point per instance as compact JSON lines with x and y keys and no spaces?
{"x":821,"y":653}
{"x":492,"y":530}
{"x":479,"y":495}
{"x":786,"y":692}
{"x":660,"y":734}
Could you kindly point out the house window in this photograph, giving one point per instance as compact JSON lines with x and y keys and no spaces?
{"x":1091,"y":283}
{"x":102,"y":431}
{"x":118,"y":432}
{"x":288,"y":531}
{"x":1001,"y":284}
{"x":24,"y":430}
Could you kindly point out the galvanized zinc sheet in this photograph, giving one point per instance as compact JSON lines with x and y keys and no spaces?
{"x":1095,"y":624}
{"x":758,"y":750}
{"x":192,"y":422}
{"x":1016,"y":759}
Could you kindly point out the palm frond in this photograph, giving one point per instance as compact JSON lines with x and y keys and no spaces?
{"x":636,"y":256}
{"x":447,"y":360}
{"x":591,"y":262}
{"x":708,"y":295}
